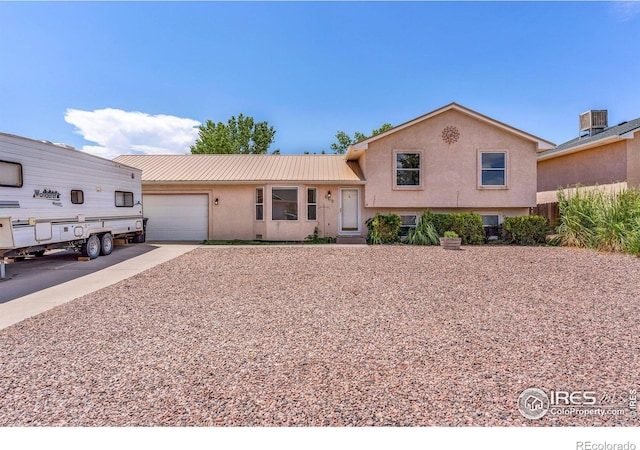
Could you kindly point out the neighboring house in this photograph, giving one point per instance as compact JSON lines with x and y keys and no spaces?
{"x":608,"y":157}
{"x":451,"y":159}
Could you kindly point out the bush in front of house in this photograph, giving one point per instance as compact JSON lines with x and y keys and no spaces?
{"x":469,"y":227}
{"x":466,"y":225}
{"x":525,"y":230}
{"x":384,"y":228}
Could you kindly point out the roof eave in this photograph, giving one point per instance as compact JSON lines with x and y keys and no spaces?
{"x":588,"y":145}
{"x":250,"y":182}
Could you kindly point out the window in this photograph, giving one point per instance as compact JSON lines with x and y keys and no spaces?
{"x":491,"y":224}
{"x":10,"y":174}
{"x":77,"y":197}
{"x":408,"y":222}
{"x":493,"y":169}
{"x":124,"y":198}
{"x":284,"y":204}
{"x":259,"y":203}
{"x":312,"y":203}
{"x":407,"y":169}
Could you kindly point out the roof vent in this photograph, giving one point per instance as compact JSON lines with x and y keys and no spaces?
{"x":593,"y":122}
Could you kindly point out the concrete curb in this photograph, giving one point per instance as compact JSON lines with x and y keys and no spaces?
{"x":30,"y":305}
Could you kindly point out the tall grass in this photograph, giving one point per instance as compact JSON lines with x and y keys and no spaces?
{"x":601,"y":220}
{"x":424,"y":233}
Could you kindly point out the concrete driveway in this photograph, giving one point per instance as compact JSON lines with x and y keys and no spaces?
{"x":35,"y":274}
{"x":32,"y":287}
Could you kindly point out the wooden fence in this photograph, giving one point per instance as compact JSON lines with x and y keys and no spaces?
{"x":549,"y":210}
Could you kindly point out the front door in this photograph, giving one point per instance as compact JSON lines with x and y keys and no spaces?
{"x":349,"y":210}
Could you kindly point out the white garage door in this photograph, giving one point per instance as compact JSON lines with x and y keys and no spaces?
{"x":176,"y":217}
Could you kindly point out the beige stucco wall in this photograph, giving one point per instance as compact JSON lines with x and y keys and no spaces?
{"x":633,"y":160}
{"x":450,"y":172}
{"x":234,"y":215}
{"x":601,"y":165}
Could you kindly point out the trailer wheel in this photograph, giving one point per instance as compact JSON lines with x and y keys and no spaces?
{"x":91,"y":248}
{"x":106,"y":244}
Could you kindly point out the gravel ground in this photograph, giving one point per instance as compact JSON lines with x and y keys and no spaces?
{"x":332,"y":336}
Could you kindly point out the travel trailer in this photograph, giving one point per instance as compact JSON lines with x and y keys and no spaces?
{"x":53,"y":196}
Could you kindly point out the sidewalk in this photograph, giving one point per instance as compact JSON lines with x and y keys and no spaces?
{"x":30,"y":305}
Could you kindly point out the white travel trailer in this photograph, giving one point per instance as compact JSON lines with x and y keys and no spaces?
{"x":53,"y":196}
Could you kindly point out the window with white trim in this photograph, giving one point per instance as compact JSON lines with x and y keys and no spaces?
{"x":407,"y":169}
{"x":124,"y":199}
{"x":284,"y":203}
{"x":10,"y":174}
{"x":312,"y":203}
{"x":259,"y":203}
{"x":493,"y":169}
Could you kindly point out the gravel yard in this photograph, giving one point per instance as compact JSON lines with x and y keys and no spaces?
{"x":332,"y":336}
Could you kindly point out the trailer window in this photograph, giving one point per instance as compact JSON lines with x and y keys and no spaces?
{"x":124,"y":198}
{"x":77,"y":197}
{"x":10,"y":174}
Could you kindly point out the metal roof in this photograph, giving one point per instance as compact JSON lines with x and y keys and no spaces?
{"x":244,"y":168}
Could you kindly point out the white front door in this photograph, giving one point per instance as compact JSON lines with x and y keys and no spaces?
{"x":349,"y":210}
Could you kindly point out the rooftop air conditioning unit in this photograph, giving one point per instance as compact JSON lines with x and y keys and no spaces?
{"x":593,"y":122}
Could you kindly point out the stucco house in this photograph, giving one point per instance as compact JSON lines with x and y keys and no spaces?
{"x":451,"y":159}
{"x":602,"y":155}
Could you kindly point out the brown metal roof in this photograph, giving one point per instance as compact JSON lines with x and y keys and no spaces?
{"x":244,"y":168}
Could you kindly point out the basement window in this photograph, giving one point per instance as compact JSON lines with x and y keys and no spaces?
{"x":10,"y":174}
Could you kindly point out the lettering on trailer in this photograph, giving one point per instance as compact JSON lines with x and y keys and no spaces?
{"x":46,"y":194}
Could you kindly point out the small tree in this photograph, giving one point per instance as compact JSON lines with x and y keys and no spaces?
{"x":238,"y":135}
{"x":344,"y":140}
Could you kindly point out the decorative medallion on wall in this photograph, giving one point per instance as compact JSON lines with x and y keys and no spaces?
{"x":450,"y":135}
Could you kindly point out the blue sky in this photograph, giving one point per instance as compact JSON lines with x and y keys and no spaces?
{"x":126,"y":77}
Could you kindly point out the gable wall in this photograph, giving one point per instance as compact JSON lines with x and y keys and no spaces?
{"x":450,"y":172}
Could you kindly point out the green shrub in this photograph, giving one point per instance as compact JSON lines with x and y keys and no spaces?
{"x":451,"y":234}
{"x":469,"y":227}
{"x":601,"y":220}
{"x":424,"y":233}
{"x":384,"y":229}
{"x":525,"y":230}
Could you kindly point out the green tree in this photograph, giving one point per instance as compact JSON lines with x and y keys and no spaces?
{"x":343,"y":140}
{"x":238,"y":135}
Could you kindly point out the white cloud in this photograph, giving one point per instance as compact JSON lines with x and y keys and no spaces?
{"x":626,"y":10}
{"x":119,"y":132}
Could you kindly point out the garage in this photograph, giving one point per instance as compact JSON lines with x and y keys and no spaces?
{"x":177,"y":217}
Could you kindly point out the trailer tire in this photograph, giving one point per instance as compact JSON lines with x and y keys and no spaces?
{"x":106,"y":244}
{"x":91,"y":248}
{"x":138,"y":238}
